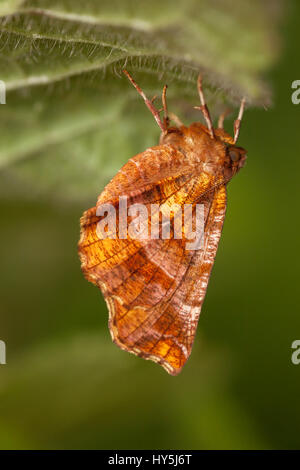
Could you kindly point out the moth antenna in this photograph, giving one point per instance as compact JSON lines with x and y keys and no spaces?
{"x":203,"y":108}
{"x":222,"y":118}
{"x":237,"y":122}
{"x":148,"y":102}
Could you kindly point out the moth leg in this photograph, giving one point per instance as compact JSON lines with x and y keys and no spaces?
{"x":167,"y":115}
{"x":203,"y":108}
{"x":222,"y":118}
{"x":176,"y":119}
{"x":237,"y":122}
{"x":149,"y":103}
{"x":165,"y":107}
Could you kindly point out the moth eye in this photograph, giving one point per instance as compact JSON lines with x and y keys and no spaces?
{"x":234,"y":155}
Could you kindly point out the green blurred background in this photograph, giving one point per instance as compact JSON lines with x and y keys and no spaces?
{"x":65,"y":385}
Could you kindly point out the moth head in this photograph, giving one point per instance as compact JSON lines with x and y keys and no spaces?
{"x":236,"y":156}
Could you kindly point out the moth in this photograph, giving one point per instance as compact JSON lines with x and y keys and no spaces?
{"x":155,"y":288}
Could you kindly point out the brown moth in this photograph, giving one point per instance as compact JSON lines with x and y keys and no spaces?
{"x":154,"y":288}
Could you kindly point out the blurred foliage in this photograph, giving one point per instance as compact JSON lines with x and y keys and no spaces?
{"x":68,"y":105}
{"x":48,"y":375}
{"x":65,"y":384}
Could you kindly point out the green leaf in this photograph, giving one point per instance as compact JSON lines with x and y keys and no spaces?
{"x":72,"y":119}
